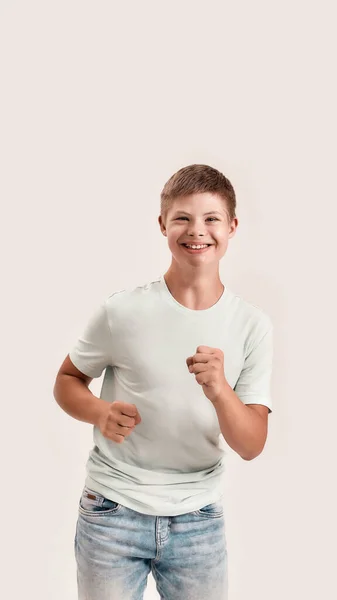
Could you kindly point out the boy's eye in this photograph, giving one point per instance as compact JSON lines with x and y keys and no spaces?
{"x":214,"y":218}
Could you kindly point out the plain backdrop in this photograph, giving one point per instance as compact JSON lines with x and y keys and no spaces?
{"x":100,"y":103}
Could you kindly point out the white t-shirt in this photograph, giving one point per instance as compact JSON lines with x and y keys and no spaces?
{"x":172,"y":462}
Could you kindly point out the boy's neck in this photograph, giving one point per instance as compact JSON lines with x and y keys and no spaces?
{"x":197,"y":292}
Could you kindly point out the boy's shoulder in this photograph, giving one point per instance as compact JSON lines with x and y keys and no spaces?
{"x":132,"y":292}
{"x":252,"y":319}
{"x":251,"y":309}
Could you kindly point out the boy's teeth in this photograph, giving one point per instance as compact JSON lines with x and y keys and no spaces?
{"x":193,"y":246}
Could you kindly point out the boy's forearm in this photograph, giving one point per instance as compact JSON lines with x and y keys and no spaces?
{"x":242,"y":427}
{"x":75,"y":398}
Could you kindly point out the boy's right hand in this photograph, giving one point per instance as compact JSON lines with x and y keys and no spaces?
{"x":117,"y":420}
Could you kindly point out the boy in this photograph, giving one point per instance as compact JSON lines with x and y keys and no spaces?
{"x":186,"y":360}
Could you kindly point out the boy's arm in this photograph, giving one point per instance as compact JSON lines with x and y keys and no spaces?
{"x":73,"y":396}
{"x":244,"y":428}
{"x":243,"y":411}
{"x":87,"y":359}
{"x":68,"y":368}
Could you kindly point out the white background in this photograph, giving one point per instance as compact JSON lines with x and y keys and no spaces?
{"x":101,"y":102}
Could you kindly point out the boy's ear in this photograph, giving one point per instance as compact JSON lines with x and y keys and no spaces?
{"x":233,"y":227}
{"x":162,"y":226}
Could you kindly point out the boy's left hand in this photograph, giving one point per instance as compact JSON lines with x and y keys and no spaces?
{"x":208,"y":366}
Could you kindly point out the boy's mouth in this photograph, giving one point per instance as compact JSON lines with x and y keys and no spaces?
{"x":196,"y":250}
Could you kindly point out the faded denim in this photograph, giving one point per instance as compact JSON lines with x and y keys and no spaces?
{"x":116,"y":548}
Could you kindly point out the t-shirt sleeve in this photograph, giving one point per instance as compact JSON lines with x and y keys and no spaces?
{"x":91,"y":353}
{"x":253,"y":385}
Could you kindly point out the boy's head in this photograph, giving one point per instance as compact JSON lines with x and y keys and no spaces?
{"x":186,"y":197}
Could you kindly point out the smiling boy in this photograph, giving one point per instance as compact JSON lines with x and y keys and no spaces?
{"x":185,"y":361}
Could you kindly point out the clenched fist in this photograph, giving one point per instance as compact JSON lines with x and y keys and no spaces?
{"x":208,"y":366}
{"x":117,"y":420}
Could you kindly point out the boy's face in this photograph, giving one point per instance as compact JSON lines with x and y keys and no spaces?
{"x":186,"y":222}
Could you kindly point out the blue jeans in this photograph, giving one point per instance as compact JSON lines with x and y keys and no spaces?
{"x":116,"y":548}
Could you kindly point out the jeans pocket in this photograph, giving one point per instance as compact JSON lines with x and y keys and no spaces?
{"x":210,"y":511}
{"x":94,"y":503}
